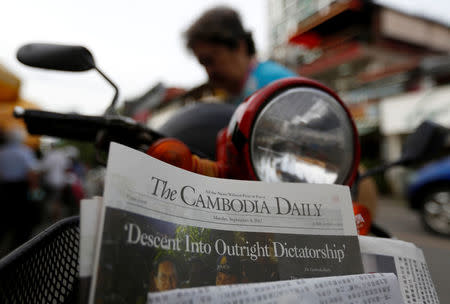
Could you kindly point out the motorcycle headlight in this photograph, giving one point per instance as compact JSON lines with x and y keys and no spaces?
{"x":298,"y":131}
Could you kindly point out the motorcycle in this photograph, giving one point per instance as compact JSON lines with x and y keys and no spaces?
{"x":293,"y":130}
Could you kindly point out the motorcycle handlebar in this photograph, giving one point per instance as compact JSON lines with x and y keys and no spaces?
{"x":86,"y":128}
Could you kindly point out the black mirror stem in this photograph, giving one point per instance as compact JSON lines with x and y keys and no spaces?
{"x":111,"y":110}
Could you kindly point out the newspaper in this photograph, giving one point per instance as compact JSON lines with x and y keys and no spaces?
{"x":89,"y":215}
{"x":378,"y":288}
{"x":379,"y":255}
{"x":163,"y":228}
{"x":406,"y":261}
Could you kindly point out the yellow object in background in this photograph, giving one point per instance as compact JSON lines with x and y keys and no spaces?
{"x":9,"y":85}
{"x":9,"y":98}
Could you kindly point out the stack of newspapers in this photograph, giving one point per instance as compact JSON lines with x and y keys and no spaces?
{"x":161,"y":234}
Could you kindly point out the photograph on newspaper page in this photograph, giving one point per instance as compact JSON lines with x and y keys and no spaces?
{"x":164,"y":228}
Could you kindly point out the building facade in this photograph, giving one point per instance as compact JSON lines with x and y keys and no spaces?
{"x":381,"y":58}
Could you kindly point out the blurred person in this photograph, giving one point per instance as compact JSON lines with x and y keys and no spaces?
{"x":18,"y":177}
{"x":53,"y":169}
{"x":73,"y":191}
{"x":77,"y":165}
{"x":72,"y":194}
{"x":227,"y":52}
{"x":165,"y":275}
{"x":228,"y":270}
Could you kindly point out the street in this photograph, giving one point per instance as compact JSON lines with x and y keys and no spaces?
{"x":405,"y":224}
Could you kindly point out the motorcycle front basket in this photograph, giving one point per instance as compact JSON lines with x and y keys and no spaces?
{"x":44,"y":269}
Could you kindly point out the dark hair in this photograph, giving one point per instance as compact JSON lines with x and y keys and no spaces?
{"x":161,"y":259}
{"x":220,"y":25}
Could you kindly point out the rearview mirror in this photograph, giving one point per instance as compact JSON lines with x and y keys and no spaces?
{"x":426,"y":143}
{"x":69,"y":58}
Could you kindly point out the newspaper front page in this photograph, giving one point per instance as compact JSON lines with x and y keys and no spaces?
{"x":163,"y":228}
{"x":406,"y":261}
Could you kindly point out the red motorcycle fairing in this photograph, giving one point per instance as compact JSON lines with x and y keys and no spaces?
{"x":243,"y":119}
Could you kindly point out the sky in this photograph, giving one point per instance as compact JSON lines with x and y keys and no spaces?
{"x":137,"y":43}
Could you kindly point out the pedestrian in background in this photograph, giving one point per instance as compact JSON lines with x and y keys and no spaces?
{"x":227,"y":52}
{"x":18,"y":176}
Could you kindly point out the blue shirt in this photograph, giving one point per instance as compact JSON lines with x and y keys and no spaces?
{"x":16,"y":161}
{"x":261,"y":75}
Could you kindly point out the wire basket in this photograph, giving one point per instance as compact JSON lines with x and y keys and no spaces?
{"x":45,"y":269}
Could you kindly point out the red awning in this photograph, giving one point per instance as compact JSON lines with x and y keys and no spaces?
{"x":309,"y":40}
{"x":305,"y":34}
